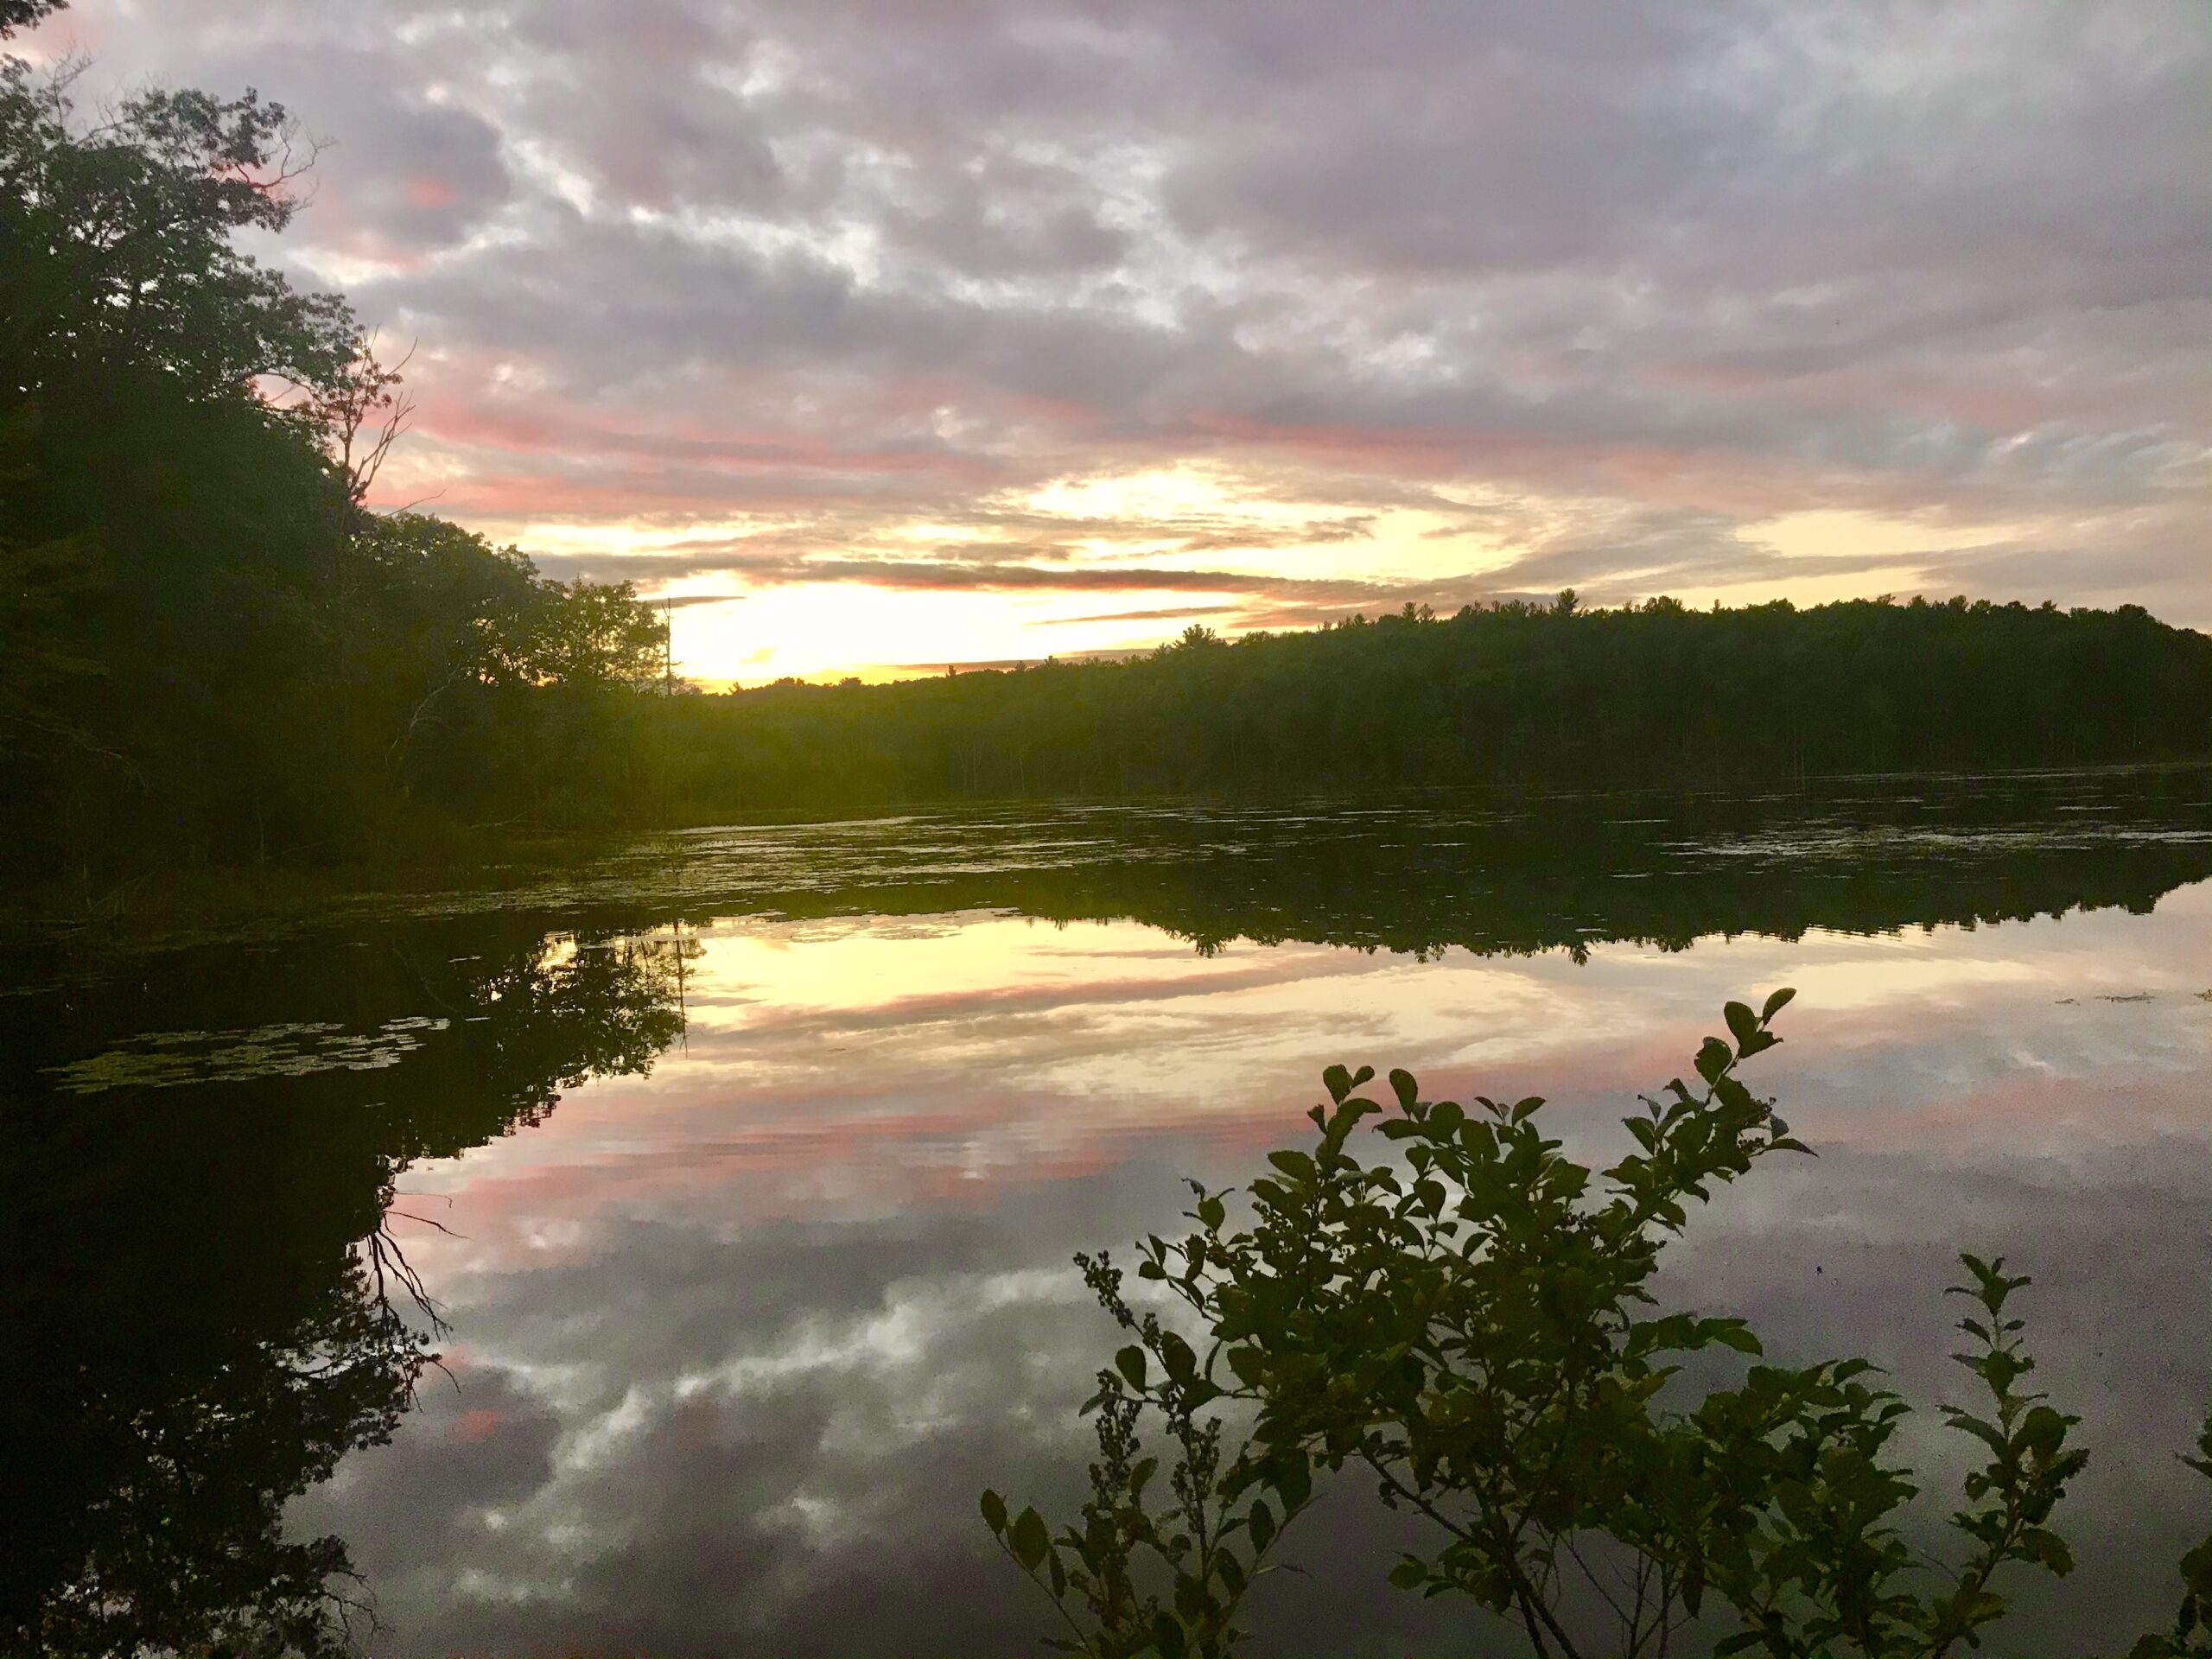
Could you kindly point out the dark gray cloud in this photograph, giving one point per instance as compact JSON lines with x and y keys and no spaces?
{"x":418,"y":174}
{"x":1683,"y":268}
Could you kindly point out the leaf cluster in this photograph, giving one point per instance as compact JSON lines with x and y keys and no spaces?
{"x":1139,"y":1576}
{"x":1464,"y":1316}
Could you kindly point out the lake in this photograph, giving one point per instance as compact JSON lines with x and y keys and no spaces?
{"x":743,"y":1168}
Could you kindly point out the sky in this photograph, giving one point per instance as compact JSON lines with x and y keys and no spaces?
{"x":884,"y":333}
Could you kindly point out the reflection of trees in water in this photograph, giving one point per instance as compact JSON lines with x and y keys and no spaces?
{"x":166,"y":1473}
{"x":189,"y":1250}
{"x":1568,"y":875}
{"x":208,"y":1310}
{"x":1419,"y":899}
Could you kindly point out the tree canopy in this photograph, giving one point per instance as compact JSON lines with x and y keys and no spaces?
{"x":22,"y":13}
{"x":215,"y":650}
{"x":1561,"y":696}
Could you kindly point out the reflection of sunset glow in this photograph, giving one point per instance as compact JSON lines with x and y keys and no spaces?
{"x":856,"y":1065}
{"x":827,"y":1238}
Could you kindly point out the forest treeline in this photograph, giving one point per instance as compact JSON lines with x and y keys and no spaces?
{"x":1545,"y":695}
{"x":212,"y":651}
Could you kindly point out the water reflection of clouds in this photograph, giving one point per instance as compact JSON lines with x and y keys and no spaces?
{"x":743,"y":1339}
{"x":1010,"y":1051}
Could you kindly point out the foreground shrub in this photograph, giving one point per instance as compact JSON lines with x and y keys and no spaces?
{"x":1470,"y":1324}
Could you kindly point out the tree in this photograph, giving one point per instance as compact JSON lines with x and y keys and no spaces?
{"x":1649,"y":695}
{"x":600,"y":635}
{"x":120,"y":261}
{"x":210,"y":647}
{"x":47,"y":593}
{"x":22,"y":13}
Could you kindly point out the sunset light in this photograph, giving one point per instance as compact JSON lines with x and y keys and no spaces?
{"x":1164,"y":829}
{"x":772,"y":318}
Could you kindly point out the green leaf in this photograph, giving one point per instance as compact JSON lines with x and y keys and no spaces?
{"x":994,"y":1511}
{"x":1409,"y":1575}
{"x":1713,"y":1060}
{"x":1190,"y":1597}
{"x":1130,"y":1362}
{"x":2044,"y":1430}
{"x":1261,"y":1521}
{"x":2048,"y":1549}
{"x":1775,"y":1004}
{"x":2197,"y":1568}
{"x":1987,"y":1432}
{"x":1338,"y":1082}
{"x":1734,"y":1333}
{"x":1743,"y":1024}
{"x":1028,"y":1539}
{"x":1408,"y":1091}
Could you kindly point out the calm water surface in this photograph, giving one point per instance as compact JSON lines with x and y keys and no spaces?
{"x":745,"y":1167}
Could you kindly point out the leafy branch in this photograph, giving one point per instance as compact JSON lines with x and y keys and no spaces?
{"x":1467,"y":1320}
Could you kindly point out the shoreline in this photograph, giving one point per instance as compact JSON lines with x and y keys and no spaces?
{"x":185,"y":905}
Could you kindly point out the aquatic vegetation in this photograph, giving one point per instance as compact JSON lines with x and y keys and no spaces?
{"x":168,"y":1059}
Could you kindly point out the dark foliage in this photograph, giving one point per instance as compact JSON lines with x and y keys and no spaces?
{"x":1468,"y":1321}
{"x":212,"y":651}
{"x":201,"y":1279}
{"x":1516,"y":695}
{"x":22,"y":13}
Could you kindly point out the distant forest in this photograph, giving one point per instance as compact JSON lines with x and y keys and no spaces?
{"x":1545,"y":695}
{"x":212,"y":651}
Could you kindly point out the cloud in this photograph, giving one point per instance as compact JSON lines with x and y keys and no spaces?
{"x":841,"y":271}
{"x":774,"y":569}
{"x":1167,"y":613}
